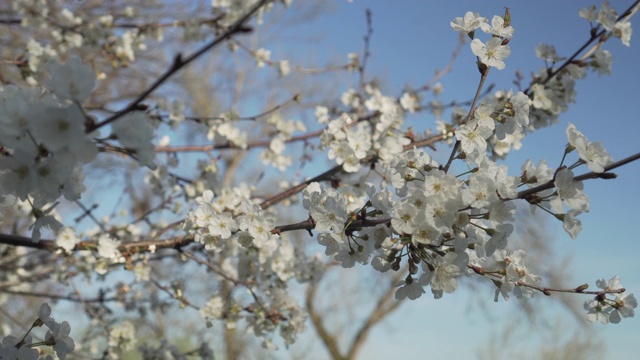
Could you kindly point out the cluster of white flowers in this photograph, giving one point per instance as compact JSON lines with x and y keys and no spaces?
{"x":57,"y":337}
{"x":274,"y":155}
{"x":607,"y":17}
{"x":234,"y":9}
{"x":214,"y":309}
{"x":247,"y":227}
{"x":224,"y":131}
{"x":611,"y":310}
{"x":493,"y":52}
{"x":262,"y":56}
{"x":45,"y":134}
{"x":122,"y":337}
{"x":211,"y":227}
{"x":445,"y":226}
{"x":350,"y":140}
{"x":550,"y":95}
{"x":251,"y":253}
{"x":421,"y":215}
{"x":46,"y":139}
{"x":70,"y":31}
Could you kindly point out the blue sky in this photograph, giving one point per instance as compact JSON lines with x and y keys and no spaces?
{"x":412,"y":38}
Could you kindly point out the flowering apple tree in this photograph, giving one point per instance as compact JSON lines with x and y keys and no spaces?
{"x":70,"y":114}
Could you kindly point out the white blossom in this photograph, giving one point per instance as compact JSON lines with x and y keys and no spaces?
{"x":497,"y":28}
{"x":492,"y":53}
{"x":594,"y":154}
{"x":67,"y":239}
{"x":470,"y":22}
{"x":108,"y":247}
{"x":72,"y":80}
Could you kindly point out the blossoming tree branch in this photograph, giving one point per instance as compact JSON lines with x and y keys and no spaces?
{"x":386,"y":202}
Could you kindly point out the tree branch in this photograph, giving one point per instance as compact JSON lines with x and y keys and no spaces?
{"x":484,"y":71}
{"x":590,"y":175}
{"x":330,"y":342}
{"x":179,"y":63}
{"x":378,"y":313}
{"x":625,"y":15}
{"x":180,"y":241}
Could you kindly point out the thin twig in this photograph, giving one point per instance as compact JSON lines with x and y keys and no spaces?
{"x":547,"y":291}
{"x":472,"y":109}
{"x":173,"y":295}
{"x":365,"y":52}
{"x":100,"y":299}
{"x":625,"y":15}
{"x":590,"y":175}
{"x":179,"y":63}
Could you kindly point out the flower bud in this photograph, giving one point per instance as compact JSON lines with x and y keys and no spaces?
{"x":533,"y":199}
{"x":607,"y":176}
{"x":396,"y":265}
{"x":413,"y":268}
{"x":507,"y":17}
{"x":471,"y":34}
{"x":482,"y":67}
{"x":507,"y":261}
{"x":618,"y":304}
{"x":478,"y":270}
{"x":582,"y":287}
{"x":462,"y":219}
{"x":569,"y":148}
{"x":509,"y":111}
